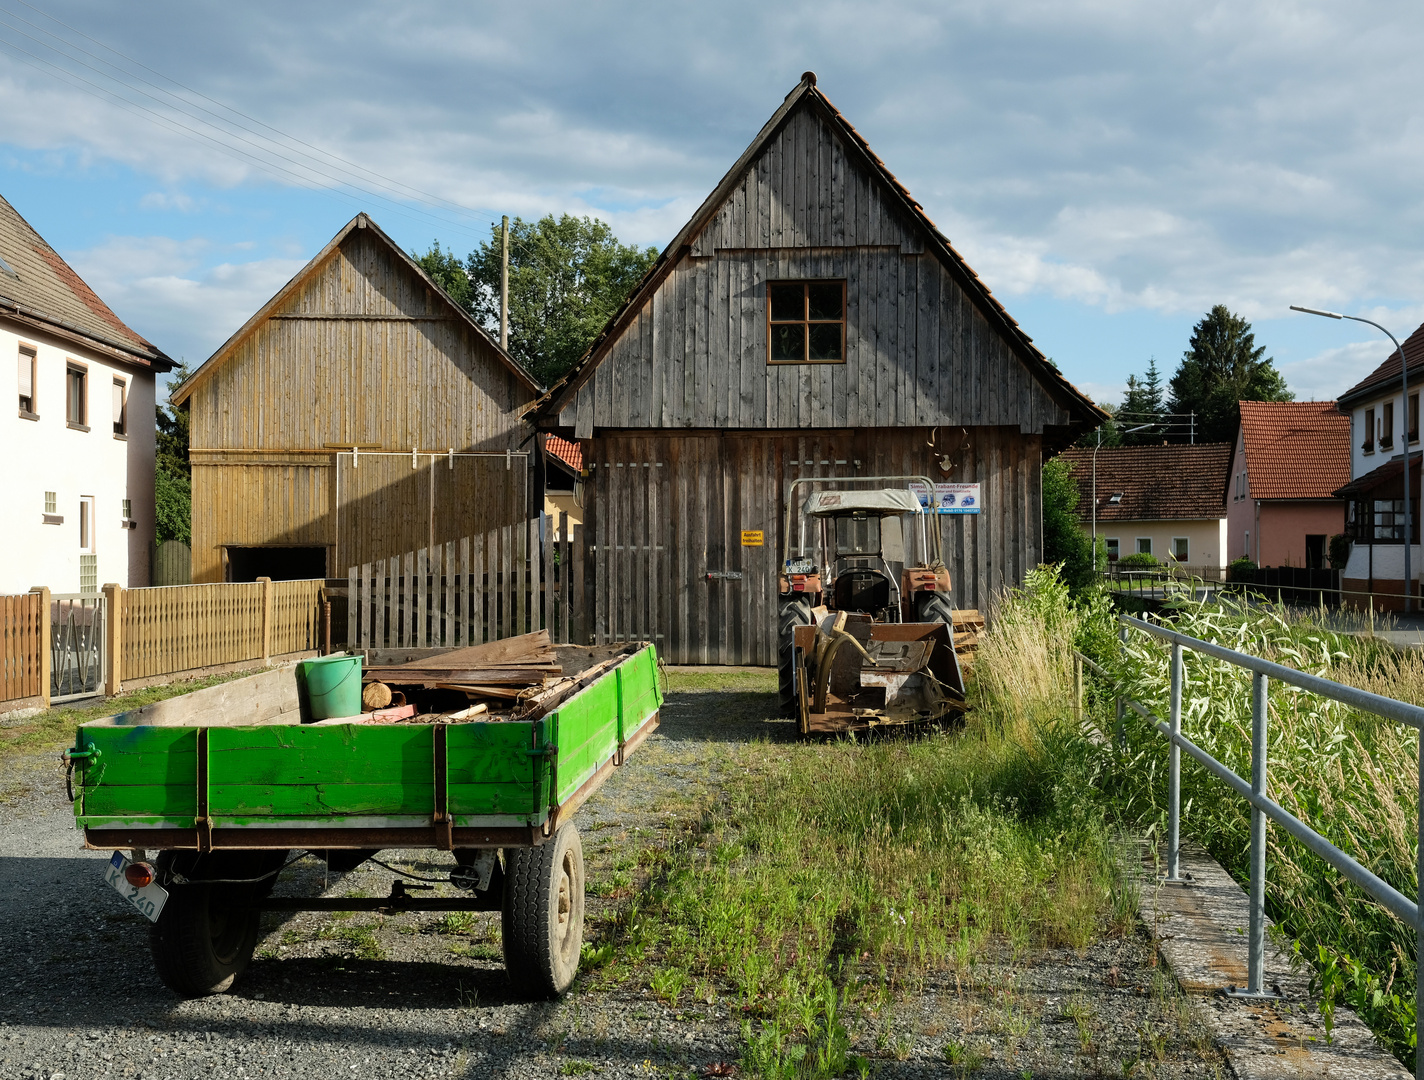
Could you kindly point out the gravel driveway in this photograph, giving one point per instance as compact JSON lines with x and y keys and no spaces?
{"x":424,"y":995}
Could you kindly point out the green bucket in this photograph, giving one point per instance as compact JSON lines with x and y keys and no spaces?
{"x":333,"y":685}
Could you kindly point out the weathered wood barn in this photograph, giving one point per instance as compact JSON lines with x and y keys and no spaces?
{"x":359,"y":414}
{"x":720,"y":381}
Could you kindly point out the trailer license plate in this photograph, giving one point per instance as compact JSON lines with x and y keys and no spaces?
{"x":148,"y":901}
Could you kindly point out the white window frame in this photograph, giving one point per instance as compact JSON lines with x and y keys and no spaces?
{"x":1113,"y":546}
{"x":28,"y":358}
{"x":121,"y":407}
{"x":86,"y":525}
{"x":1186,"y":545}
{"x":1140,"y":549}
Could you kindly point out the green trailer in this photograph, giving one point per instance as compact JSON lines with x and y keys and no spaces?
{"x":210,"y":793}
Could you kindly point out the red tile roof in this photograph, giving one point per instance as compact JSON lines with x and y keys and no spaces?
{"x":1155,"y":482}
{"x":1295,"y":449}
{"x":1390,"y":473}
{"x":570,"y":453}
{"x":1386,"y":377}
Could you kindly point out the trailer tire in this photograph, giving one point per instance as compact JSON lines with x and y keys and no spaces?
{"x":791,"y":613}
{"x":204,"y":938}
{"x":542,"y":924}
{"x":935,"y":607}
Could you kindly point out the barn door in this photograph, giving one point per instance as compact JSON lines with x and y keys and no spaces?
{"x":628,"y":553}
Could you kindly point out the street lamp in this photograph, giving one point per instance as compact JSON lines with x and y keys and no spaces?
{"x":1404,"y":410}
{"x":1129,"y":431}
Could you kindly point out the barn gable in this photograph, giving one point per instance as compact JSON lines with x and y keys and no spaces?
{"x":926,"y":344}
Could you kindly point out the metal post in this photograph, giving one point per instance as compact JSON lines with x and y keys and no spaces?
{"x":1256,"y":931}
{"x":1077,"y":689}
{"x":504,"y":283}
{"x":1121,"y":708}
{"x":1174,"y":775}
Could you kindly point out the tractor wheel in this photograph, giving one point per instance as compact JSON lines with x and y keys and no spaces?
{"x":792,"y":613}
{"x":934,"y":607}
{"x":204,"y":938}
{"x":542,"y":931}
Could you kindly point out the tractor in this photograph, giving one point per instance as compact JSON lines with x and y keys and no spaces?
{"x":848,"y":581}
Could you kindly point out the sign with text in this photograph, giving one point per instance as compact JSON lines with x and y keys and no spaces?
{"x":751,"y":538}
{"x":949,"y":498}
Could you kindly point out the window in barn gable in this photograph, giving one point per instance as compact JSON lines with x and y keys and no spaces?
{"x":805,"y":322}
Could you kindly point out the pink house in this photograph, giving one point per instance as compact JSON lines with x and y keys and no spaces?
{"x":1280,"y":504}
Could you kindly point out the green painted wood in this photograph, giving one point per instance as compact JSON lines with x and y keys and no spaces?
{"x":495,"y":770}
{"x":320,"y":800}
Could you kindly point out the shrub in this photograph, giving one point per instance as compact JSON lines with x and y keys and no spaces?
{"x":1339,"y":551}
{"x":1141,"y":561}
{"x":1242,"y":569}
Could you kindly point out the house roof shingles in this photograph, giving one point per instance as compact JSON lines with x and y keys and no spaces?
{"x":569,"y":453}
{"x":1156,"y":482}
{"x":1295,"y":449}
{"x":44,"y":290}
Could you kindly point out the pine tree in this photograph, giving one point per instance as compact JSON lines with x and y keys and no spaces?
{"x":1222,"y":367}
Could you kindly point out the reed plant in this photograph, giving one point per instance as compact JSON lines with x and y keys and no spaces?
{"x":1352,"y":776}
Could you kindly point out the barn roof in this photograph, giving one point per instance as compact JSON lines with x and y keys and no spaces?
{"x":40,"y":288}
{"x":1295,"y":449}
{"x":806,"y":94}
{"x":1153,"y":483}
{"x":182,"y":392}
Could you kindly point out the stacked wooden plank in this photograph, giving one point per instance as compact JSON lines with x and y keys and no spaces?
{"x":968,"y":628}
{"x":512,"y":668}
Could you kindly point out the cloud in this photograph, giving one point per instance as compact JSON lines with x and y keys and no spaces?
{"x":156,"y":283}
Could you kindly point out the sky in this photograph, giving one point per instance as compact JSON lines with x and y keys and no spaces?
{"x":1110,"y":169}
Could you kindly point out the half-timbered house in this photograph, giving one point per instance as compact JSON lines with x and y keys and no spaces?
{"x":809,"y":320}
{"x":359,"y":414}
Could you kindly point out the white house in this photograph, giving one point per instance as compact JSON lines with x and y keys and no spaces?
{"x":79,"y":449}
{"x":1382,"y":424}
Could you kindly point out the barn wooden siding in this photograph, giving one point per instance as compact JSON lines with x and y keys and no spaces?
{"x":363,"y":352}
{"x":662,"y":511}
{"x":919,"y":350}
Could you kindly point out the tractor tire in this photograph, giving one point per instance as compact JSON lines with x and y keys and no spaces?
{"x":542,"y":924}
{"x":792,"y":613}
{"x":935,"y":607}
{"x":204,"y":938}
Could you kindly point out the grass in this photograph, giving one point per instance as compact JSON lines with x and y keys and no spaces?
{"x":759,"y":681}
{"x":833,"y":876}
{"x":53,"y":729}
{"x":362,"y":940}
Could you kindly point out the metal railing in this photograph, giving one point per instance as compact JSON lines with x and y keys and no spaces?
{"x":1254,"y":790}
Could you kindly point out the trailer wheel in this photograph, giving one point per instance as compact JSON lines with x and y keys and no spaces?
{"x":542,"y":926}
{"x":791,"y":614}
{"x":935,"y":607}
{"x":205,"y":937}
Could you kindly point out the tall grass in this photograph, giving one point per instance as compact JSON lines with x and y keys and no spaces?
{"x":835,"y":875}
{"x":1352,"y":776}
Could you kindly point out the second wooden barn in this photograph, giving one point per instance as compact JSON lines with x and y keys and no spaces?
{"x":359,"y":414}
{"x":808,"y":321}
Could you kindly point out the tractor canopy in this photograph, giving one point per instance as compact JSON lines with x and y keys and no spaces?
{"x":885,"y":502}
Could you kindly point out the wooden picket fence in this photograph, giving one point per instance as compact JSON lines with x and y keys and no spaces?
{"x":171,"y":629}
{"x":507,"y":581}
{"x":23,"y":647}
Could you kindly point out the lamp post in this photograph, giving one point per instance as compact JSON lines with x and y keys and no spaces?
{"x":1404,"y":424}
{"x":1128,"y":431}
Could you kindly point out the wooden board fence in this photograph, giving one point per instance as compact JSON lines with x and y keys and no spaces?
{"x":186,"y":627}
{"x":507,"y":581}
{"x":22,"y":646}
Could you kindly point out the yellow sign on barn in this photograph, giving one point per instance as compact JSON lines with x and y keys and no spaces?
{"x":751,"y":538}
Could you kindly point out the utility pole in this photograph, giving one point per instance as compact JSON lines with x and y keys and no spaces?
{"x":504,"y":284}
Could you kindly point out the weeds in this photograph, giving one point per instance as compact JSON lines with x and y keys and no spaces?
{"x":455,"y":922}
{"x":362,"y":940}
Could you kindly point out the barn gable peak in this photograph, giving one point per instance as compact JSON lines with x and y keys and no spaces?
{"x":808,"y":198}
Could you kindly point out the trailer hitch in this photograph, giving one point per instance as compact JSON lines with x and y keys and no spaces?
{"x":69,"y":757}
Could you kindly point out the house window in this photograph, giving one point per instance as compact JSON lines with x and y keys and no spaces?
{"x":1414,"y":418}
{"x":128,"y":509}
{"x":1386,"y":436}
{"x":1113,"y":548}
{"x":86,"y":525}
{"x":1179,"y":548}
{"x":1246,"y":545}
{"x":51,"y":503}
{"x":1368,"y":446}
{"x":27,"y":383}
{"x":121,"y":408}
{"x":805,"y":322}
{"x":1144,"y":545}
{"x":76,"y":407}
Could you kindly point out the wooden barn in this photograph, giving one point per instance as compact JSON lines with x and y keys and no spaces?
{"x":809,"y":320}
{"x":359,"y":414}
